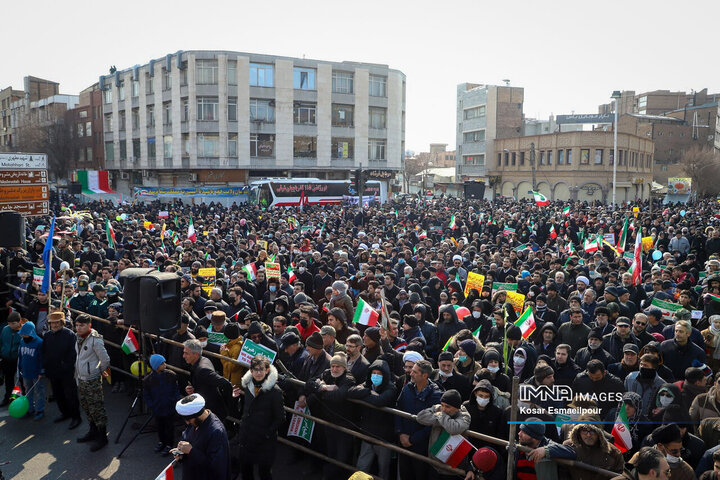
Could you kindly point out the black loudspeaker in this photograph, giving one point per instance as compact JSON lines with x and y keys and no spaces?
{"x":75,"y":189}
{"x":12,"y":230}
{"x":159,"y":302}
{"x":130,"y":281}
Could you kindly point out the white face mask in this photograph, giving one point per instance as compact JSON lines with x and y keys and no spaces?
{"x":673,"y":460}
{"x":443,"y":374}
{"x":476,"y":314}
{"x":204,"y":344}
{"x":301,"y":269}
{"x":519,"y":360}
{"x":482,"y":402}
{"x":494,"y":369}
{"x":665,"y":401}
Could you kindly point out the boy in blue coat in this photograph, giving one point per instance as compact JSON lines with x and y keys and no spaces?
{"x":161,"y":392}
{"x":30,"y":366}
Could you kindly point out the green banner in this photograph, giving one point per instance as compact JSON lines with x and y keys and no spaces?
{"x":508,"y":287}
{"x":667,"y":308}
{"x":251,"y":349}
{"x":217,"y":337}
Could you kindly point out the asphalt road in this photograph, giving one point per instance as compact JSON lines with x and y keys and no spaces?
{"x":45,"y":450}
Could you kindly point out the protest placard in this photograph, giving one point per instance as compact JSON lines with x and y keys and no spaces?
{"x":218,"y":338}
{"x":300,"y":426}
{"x":272,"y":270}
{"x":38,"y":274}
{"x":517,"y":300}
{"x":251,"y":349}
{"x":508,"y":287}
{"x":474,"y":280}
{"x":209,"y":275}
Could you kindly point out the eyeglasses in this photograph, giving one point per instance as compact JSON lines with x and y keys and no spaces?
{"x":258,"y":370}
{"x":623,"y":326}
{"x":640,"y":324}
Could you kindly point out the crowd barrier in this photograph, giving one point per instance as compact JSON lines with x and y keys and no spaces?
{"x":430,"y":461}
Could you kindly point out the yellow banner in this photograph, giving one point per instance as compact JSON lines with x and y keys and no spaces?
{"x":474,"y":280}
{"x":647,"y":243}
{"x":517,"y":300}
{"x":208,"y":275}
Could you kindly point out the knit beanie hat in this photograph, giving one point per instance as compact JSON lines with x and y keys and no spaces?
{"x":452,"y":397}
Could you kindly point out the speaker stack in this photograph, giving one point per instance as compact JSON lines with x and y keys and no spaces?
{"x":152,"y":299}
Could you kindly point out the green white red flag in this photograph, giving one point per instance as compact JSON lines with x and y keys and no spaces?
{"x":365,"y":314}
{"x":110,"y":234}
{"x":566,"y":211}
{"x":453,"y":223}
{"x":130,"y":344}
{"x":620,"y":247}
{"x":450,"y":449}
{"x":636,"y":267}
{"x":540,"y":199}
{"x":251,"y":271}
{"x":526,"y":322}
{"x":621,"y":431}
{"x":191,"y":235}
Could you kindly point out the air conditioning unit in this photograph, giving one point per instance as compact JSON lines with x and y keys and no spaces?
{"x":124,"y":175}
{"x":193,"y":177}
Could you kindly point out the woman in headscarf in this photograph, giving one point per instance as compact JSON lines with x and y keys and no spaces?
{"x":712,"y":342}
{"x":668,"y":394}
{"x":639,"y":423}
{"x":340,"y":299}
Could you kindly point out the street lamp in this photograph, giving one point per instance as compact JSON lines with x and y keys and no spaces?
{"x":615,"y":96}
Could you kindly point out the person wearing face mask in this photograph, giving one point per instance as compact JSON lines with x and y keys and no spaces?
{"x":668,"y":394}
{"x":465,"y":363}
{"x":668,"y":440}
{"x":692,"y":446}
{"x":204,"y":379}
{"x":31,"y":371}
{"x":447,"y":378}
{"x":484,"y":414}
{"x":492,"y":361}
{"x":593,"y":350}
{"x":477,"y":319}
{"x":377,"y":390}
{"x":645,"y":382}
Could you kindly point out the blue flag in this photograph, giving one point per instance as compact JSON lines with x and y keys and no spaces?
{"x":46,"y":258}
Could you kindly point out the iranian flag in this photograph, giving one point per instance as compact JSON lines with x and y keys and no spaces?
{"x":251,"y":270}
{"x":566,"y":211}
{"x":422,"y":235}
{"x":508,"y":231}
{"x":593,"y":245}
{"x":540,"y":199}
{"x":365,"y":314}
{"x":620,"y":247}
{"x":553,"y":233}
{"x":191,"y":232}
{"x":713,"y":297}
{"x":636,"y":267}
{"x":167,"y":474}
{"x":450,"y":449}
{"x":291,"y":274}
{"x":453,"y":223}
{"x":570,"y":248}
{"x":94,"y":181}
{"x":526,"y":322}
{"x":110,"y":233}
{"x":130,"y":344}
{"x":621,"y":431}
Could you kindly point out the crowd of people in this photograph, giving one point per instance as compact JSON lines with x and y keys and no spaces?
{"x":430,"y":307}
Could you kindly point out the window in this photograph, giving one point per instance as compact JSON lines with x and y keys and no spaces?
{"x":512,"y":161}
{"x":472,"y":137}
{"x":262,"y":110}
{"x":611,"y":158}
{"x":136,"y":147}
{"x":207,"y":108}
{"x":561,"y":157}
{"x":88,"y":154}
{"x":342,"y":82}
{"x":305,"y":147}
{"x":80,"y":130}
{"x":232,"y":109}
{"x":584,"y":156}
{"x":232,"y":145}
{"x":549,"y":157}
{"x":122,"y":120}
{"x":149,"y":88}
{"x":262,"y":145}
{"x":499,"y":161}
{"x":167,"y":80}
{"x":109,"y":151}
{"x":376,"y":149}
{"x":135,"y":87}
{"x":206,"y":72}
{"x":261,"y":75}
{"x":542,"y":157}
{"x":107,"y":95}
{"x":378,"y":117}
{"x":88,"y":129}
{"x":304,"y":114}
{"x":167,"y":114}
{"x":81,"y":114}
{"x":343,"y":148}
{"x":507,"y":158}
{"x":135,"y":118}
{"x":183,"y":75}
{"x":123,"y":150}
{"x":208,"y":146}
{"x":378,"y":86}
{"x":151,"y":148}
{"x":167,"y":146}
{"x":185,"y":111}
{"x":304,"y":78}
{"x":598,"y":156}
{"x":522,"y":158}
{"x":342,"y":115}
{"x":121,"y":91}
{"x":475,"y":112}
{"x":185,"y":144}
{"x":569,"y":157}
{"x":474,"y":159}
{"x":232,"y":72}
{"x":151,"y":115}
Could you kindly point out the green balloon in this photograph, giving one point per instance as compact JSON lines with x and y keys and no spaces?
{"x":19,"y":407}
{"x":118,"y":218}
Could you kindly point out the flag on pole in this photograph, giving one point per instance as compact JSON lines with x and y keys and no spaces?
{"x":365,"y":314}
{"x":175,"y":221}
{"x":526,"y":322}
{"x":508,"y":231}
{"x":47,"y":258}
{"x":566,"y":211}
{"x":130,"y":344}
{"x":553,"y":233}
{"x":540,"y":199}
{"x":191,"y":232}
{"x":167,"y":474}
{"x":291,"y":274}
{"x":621,"y":431}
{"x":422,"y":235}
{"x":637,"y":263}
{"x":110,"y":233}
{"x":592,"y":245}
{"x":251,"y":271}
{"x":620,"y":247}
{"x":713,"y":297}
{"x":450,"y":449}
{"x":453,"y":223}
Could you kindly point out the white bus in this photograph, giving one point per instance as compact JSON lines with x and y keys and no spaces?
{"x":286,"y":192}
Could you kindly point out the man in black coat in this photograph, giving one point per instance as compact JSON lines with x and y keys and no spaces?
{"x":603,"y":387}
{"x":214,"y":388}
{"x":565,"y":368}
{"x":448,"y":379}
{"x":59,"y":362}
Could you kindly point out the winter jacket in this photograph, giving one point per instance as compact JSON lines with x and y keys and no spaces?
{"x":488,"y":420}
{"x":613,"y":344}
{"x":412,"y":401}
{"x":678,"y":358}
{"x":262,"y":415}
{"x":705,"y":405}
{"x":209,"y":458}
{"x":232,"y":371}
{"x":332,"y":405}
{"x":9,"y":343}
{"x":161,"y":392}
{"x":430,"y":332}
{"x":91,"y":357}
{"x":565,"y":373}
{"x":440,"y":421}
{"x":455,"y":381}
{"x":376,"y":422}
{"x":621,"y":370}
{"x":609,"y":384}
{"x":603,"y":454}
{"x":585,"y":354}
{"x":30,"y":363}
{"x":574,"y":335}
{"x":59,"y":353}
{"x":447,"y":329}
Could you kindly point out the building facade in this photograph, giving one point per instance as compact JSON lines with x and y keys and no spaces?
{"x":86,"y":127}
{"x":484,"y":113}
{"x":228,"y":117}
{"x":573,"y":165}
{"x":7,"y":97}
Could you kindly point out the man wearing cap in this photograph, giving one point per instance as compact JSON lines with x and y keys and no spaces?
{"x":530,"y":466}
{"x":204,"y":451}
{"x":614,"y":342}
{"x":98,"y":305}
{"x":668,"y":440}
{"x":317,"y":361}
{"x":629,"y":363}
{"x":81,"y":300}
{"x":59,"y":361}
{"x":330,"y":344}
{"x":447,"y":378}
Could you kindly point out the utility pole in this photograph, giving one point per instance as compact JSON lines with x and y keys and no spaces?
{"x":532,"y":164}
{"x":616,"y":96}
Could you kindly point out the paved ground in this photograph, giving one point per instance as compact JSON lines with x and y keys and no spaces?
{"x":45,"y":450}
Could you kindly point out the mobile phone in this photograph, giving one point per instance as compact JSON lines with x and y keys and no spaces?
{"x":176,"y":452}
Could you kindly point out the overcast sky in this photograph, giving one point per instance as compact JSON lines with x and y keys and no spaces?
{"x":569,"y":55}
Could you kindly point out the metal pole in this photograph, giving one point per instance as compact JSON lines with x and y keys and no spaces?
{"x":513,"y":426}
{"x":532,"y":165}
{"x":615,"y":151}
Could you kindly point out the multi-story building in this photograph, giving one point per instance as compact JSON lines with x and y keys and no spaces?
{"x":484,"y":113}
{"x":226,"y":117}
{"x":7,"y":97}
{"x":86,"y":127}
{"x":573,"y":165}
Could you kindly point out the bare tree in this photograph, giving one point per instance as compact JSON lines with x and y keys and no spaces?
{"x":702,"y":165}
{"x":55,"y":139}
